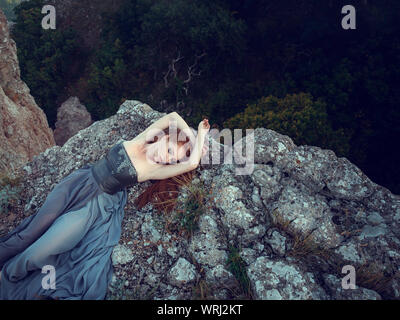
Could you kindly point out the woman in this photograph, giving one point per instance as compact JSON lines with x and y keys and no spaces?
{"x":63,"y":251}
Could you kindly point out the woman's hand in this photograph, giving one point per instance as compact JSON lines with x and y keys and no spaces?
{"x":173,"y":120}
{"x":158,"y":171}
{"x":200,"y":148}
{"x":204,"y":127}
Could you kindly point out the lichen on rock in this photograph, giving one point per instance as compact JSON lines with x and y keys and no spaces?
{"x":296,"y":220}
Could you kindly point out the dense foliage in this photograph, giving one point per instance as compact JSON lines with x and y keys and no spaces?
{"x":286,"y":65}
{"x":45,"y":56}
{"x":143,"y":39}
{"x":296,"y":115}
{"x":7,"y":6}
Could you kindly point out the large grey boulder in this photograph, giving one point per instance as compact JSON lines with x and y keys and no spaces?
{"x":296,"y":220}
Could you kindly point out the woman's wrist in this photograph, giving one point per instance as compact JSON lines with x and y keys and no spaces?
{"x":195,"y":155}
{"x":202,"y":131}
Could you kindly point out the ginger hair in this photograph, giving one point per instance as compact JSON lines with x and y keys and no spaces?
{"x":163,"y":193}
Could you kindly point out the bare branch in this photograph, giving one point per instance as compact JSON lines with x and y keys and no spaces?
{"x":171,"y":68}
{"x":191,"y":72}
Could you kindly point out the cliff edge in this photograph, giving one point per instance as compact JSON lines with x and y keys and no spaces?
{"x":24,"y":129}
{"x":285,"y":231}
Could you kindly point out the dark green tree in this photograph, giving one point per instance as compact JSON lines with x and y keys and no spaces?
{"x":238,"y":51}
{"x":44,"y":55}
{"x":165,"y":47}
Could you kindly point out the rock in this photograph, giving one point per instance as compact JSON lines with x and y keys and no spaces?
{"x":206,"y":246}
{"x":72,"y":116}
{"x":277,"y":242}
{"x":182,"y":272}
{"x":290,"y":219}
{"x":121,"y":255}
{"x":339,"y":293}
{"x":219,"y":274}
{"x":307,"y":214}
{"x":149,"y":232}
{"x":280,"y":280}
{"x":236,"y":214}
{"x":350,"y":253}
{"x":269,"y":146}
{"x":267,"y":179}
{"x":24,"y":128}
{"x":248,"y":255}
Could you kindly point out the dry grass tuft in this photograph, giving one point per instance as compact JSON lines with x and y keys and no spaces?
{"x":303,"y":245}
{"x":371,"y":276}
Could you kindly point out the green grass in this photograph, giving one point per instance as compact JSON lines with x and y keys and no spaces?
{"x":237,"y":266}
{"x":191,"y":209}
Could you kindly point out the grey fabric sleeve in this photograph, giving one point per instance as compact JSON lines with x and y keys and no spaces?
{"x":115,"y":171}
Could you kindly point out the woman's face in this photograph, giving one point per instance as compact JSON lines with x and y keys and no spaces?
{"x":166,"y":150}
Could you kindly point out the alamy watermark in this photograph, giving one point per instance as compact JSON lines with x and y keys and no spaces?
{"x":49,"y":20}
{"x":348,"y":21}
{"x":349,"y":281}
{"x":232,"y":146}
{"x":49,"y":280}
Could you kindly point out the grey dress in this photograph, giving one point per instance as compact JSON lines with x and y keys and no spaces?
{"x":74,"y":233}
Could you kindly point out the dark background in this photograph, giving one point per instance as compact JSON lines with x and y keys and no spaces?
{"x":284,"y":65}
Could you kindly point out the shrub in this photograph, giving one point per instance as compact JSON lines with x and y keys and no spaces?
{"x":299,"y":116}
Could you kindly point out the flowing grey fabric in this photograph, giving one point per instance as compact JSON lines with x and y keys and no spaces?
{"x":74,"y":231}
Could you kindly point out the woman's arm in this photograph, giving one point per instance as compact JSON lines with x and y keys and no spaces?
{"x":169,"y":120}
{"x":160,"y":172}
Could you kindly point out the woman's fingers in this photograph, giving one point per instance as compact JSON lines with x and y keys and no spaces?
{"x":204,"y":125}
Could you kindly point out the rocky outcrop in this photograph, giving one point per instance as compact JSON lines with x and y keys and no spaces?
{"x":72,"y":116}
{"x":295,"y":221}
{"x":23,"y":125}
